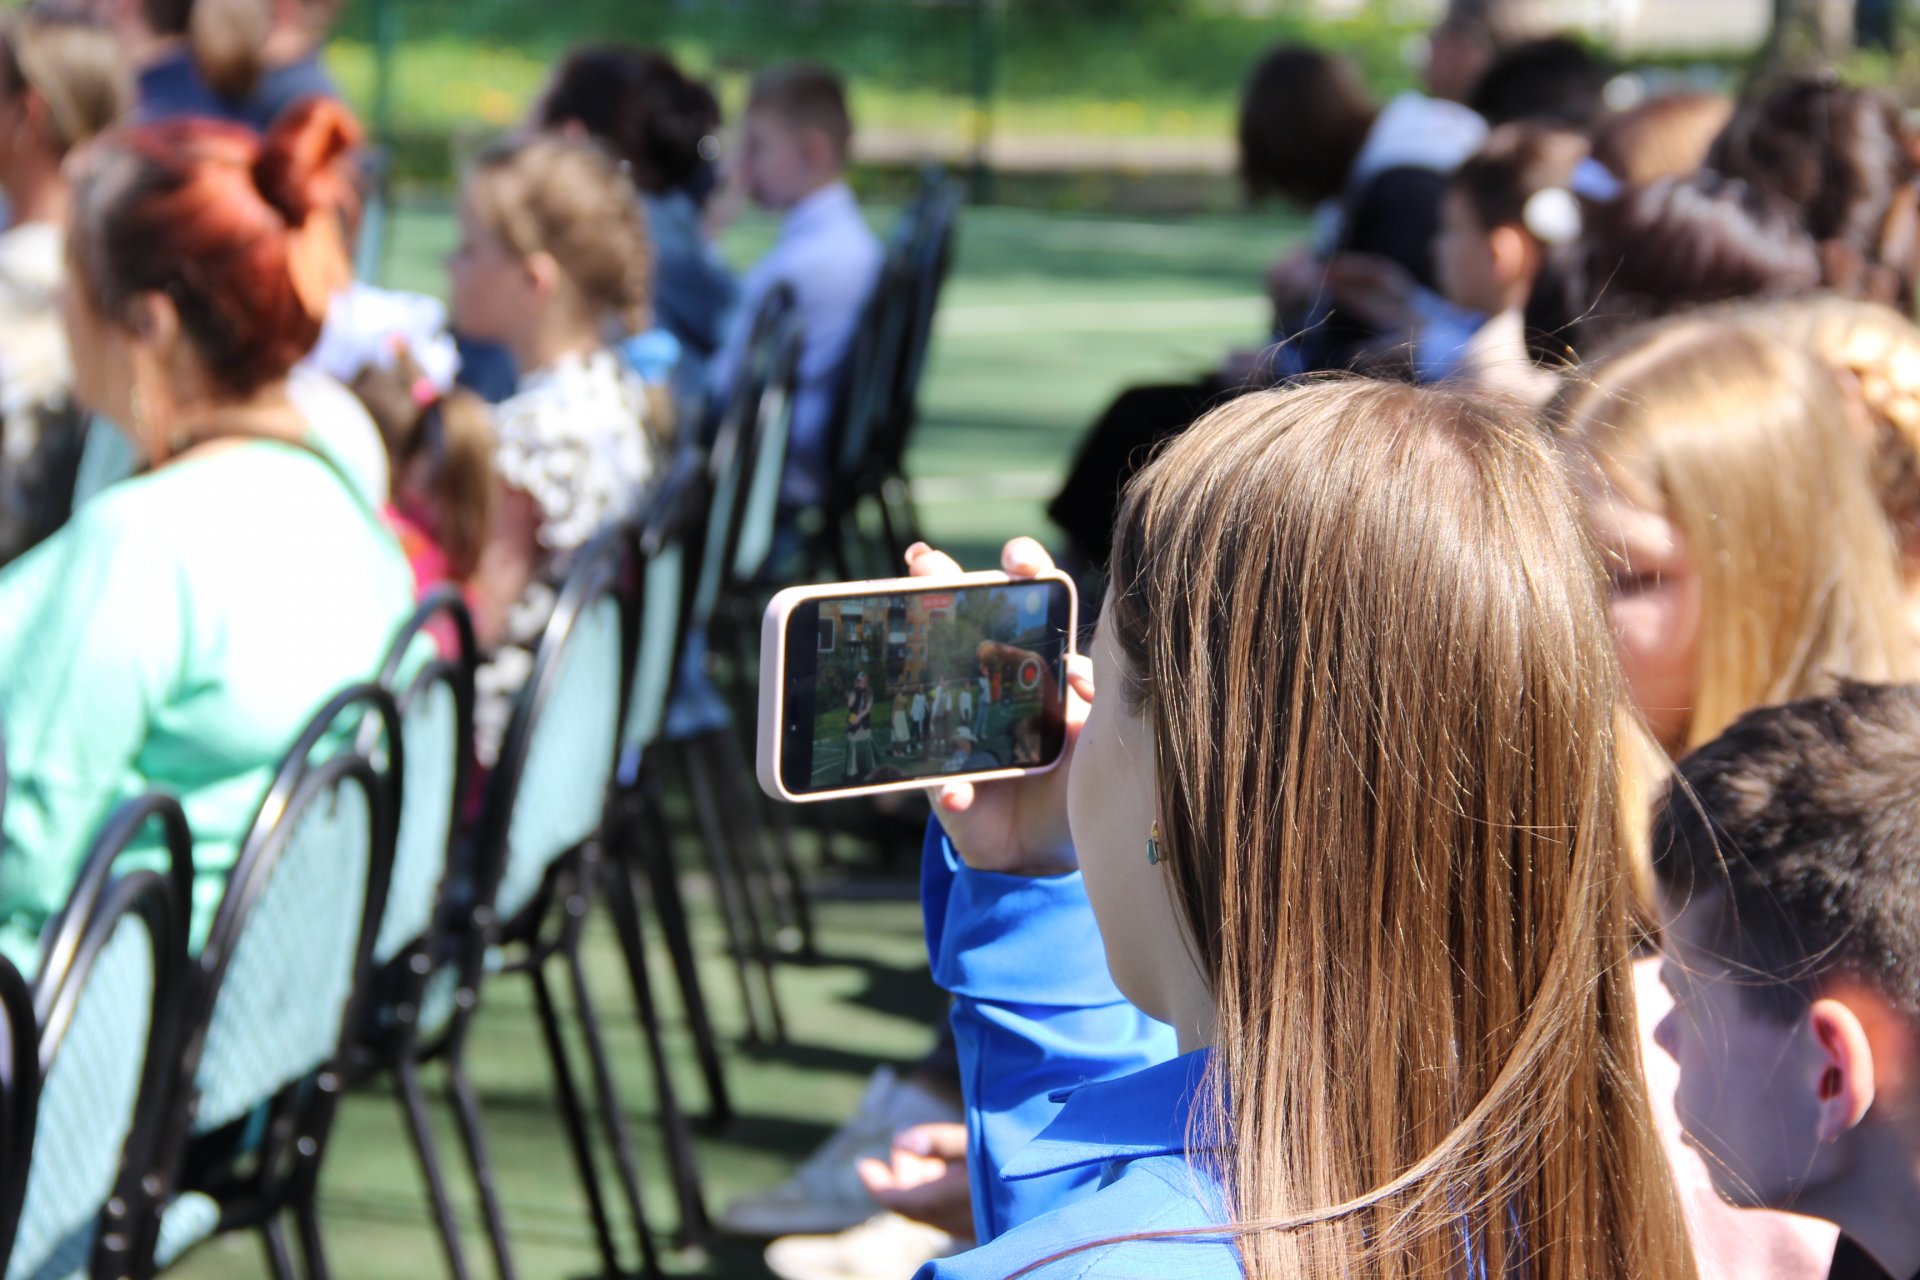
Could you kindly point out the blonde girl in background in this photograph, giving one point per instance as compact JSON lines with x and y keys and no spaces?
{"x":1750,"y":560}
{"x":553,"y":262}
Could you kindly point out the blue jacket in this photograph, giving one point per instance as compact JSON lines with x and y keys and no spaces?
{"x":1077,"y":1107}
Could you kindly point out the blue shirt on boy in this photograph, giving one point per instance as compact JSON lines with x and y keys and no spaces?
{"x":830,"y":257}
{"x":1077,"y":1105}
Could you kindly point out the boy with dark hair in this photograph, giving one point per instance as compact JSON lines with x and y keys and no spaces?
{"x":794,"y":145}
{"x":1788,"y":856}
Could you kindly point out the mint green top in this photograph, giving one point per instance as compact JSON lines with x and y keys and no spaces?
{"x":179,"y":633}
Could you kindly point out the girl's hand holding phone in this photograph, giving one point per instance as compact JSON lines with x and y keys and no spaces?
{"x":1015,"y":826}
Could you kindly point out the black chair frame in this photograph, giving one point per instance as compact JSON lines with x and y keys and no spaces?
{"x":19,"y":1101}
{"x":285,"y":1177}
{"x":390,"y":1035}
{"x":69,"y":947}
{"x":536,"y":937}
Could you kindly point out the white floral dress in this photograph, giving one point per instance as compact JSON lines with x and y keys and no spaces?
{"x":574,"y":439}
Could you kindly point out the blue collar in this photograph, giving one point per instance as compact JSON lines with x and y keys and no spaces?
{"x":1131,"y":1118}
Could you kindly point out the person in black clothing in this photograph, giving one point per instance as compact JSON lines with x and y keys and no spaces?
{"x":1788,"y":857}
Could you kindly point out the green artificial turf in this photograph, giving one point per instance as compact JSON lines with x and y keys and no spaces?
{"x":1045,"y":318}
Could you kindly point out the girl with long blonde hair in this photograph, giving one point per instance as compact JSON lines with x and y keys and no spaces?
{"x":1751,"y":562}
{"x":1342,"y":817}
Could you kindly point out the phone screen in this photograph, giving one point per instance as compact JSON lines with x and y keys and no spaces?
{"x":921,"y":684}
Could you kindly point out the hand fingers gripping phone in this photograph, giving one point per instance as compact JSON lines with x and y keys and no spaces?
{"x":902,"y":683}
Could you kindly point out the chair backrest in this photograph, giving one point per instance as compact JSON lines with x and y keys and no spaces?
{"x":750,"y":541}
{"x":930,"y":258}
{"x":106,"y":998}
{"x":429,"y":672}
{"x":19,"y":1098}
{"x":291,"y":945}
{"x":744,"y":481}
{"x":549,"y":786}
{"x":868,"y":379}
{"x":667,"y":555}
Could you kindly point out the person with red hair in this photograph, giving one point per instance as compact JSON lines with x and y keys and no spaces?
{"x":183,"y":627}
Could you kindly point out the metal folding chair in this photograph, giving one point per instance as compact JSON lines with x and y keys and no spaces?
{"x":429,"y":952}
{"x":274,"y":998}
{"x":538,"y":861}
{"x":106,"y":998}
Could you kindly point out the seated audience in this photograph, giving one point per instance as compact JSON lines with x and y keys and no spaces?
{"x":1844,"y":159}
{"x":1663,"y":137}
{"x":1439,"y":716}
{"x":182,"y":628}
{"x":1787,"y":854}
{"x":794,"y":144}
{"x":1310,"y":134}
{"x":62,"y":80}
{"x":663,"y":125}
{"x":243,"y":61}
{"x":553,"y":263}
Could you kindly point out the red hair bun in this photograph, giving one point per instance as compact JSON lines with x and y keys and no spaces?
{"x":303,"y":167}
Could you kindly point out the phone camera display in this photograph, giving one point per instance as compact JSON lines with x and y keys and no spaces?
{"x":921,"y":684}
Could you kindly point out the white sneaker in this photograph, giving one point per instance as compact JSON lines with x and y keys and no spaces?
{"x":825,"y":1195}
{"x":884,"y":1247}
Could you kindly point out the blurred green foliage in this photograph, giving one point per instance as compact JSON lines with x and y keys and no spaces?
{"x":1125,"y":68}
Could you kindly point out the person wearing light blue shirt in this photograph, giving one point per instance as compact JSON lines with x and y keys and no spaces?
{"x":793,"y":155}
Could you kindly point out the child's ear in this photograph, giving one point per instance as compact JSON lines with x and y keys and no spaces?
{"x":1844,"y":1085}
{"x":1513,"y":253}
{"x":543,"y":270}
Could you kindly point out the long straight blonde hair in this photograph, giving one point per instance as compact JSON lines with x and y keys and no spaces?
{"x":1366,"y":628}
{"x":1742,"y":442}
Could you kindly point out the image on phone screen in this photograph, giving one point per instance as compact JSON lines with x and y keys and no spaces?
{"x":907,"y":685}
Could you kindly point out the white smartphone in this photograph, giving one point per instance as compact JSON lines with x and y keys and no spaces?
{"x":902,"y":683}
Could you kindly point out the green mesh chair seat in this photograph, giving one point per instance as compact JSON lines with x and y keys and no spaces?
{"x":107,"y":989}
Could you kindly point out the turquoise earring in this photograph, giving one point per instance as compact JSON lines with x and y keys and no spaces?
{"x":1153,"y":844}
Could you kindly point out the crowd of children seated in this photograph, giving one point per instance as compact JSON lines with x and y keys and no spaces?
{"x":1371,"y":927}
